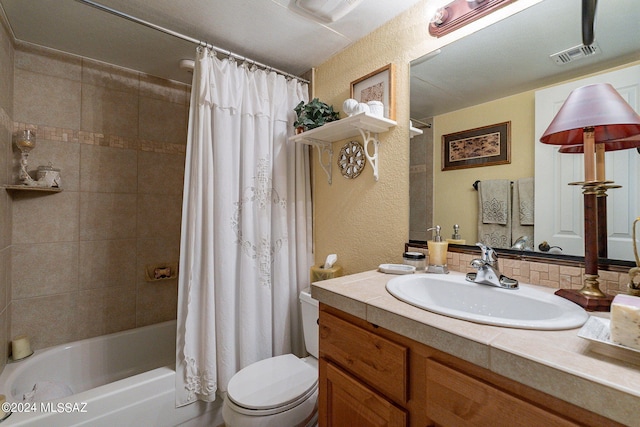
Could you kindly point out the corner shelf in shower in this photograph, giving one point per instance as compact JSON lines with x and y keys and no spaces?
{"x":12,"y":188}
{"x":363,"y":124}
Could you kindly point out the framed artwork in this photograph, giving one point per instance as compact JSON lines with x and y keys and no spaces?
{"x":377,"y":86}
{"x":485,"y":146}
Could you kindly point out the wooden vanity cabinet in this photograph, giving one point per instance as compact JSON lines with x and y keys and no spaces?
{"x":370,"y":376}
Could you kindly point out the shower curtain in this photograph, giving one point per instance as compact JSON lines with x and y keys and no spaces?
{"x":245,"y":248}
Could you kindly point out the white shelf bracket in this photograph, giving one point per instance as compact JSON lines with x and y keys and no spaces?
{"x":325,"y":150}
{"x":373,"y":159}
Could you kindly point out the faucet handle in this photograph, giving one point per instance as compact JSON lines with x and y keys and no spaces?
{"x":488,"y":254}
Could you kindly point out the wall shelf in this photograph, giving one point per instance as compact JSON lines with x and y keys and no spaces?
{"x":18,"y":187}
{"x":363,"y":124}
{"x":413,"y":131}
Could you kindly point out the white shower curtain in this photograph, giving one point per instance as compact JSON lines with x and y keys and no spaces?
{"x":245,"y":246}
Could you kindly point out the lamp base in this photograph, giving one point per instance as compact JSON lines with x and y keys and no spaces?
{"x":587,"y":302}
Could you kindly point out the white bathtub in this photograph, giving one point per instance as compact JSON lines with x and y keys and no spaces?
{"x":121,"y":379}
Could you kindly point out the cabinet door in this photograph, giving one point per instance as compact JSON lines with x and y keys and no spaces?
{"x":344,"y":402}
{"x":457,"y":399}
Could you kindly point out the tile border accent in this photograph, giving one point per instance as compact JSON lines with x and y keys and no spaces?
{"x":51,"y":133}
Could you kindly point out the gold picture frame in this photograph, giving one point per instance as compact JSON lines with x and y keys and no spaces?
{"x":377,"y":86}
{"x":483,"y":146}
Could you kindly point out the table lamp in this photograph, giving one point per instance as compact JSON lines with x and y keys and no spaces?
{"x":592,"y":116}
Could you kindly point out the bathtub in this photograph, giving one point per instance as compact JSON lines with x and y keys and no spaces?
{"x":121,"y":379}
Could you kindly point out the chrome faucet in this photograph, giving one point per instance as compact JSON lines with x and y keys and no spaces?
{"x":488,"y":271}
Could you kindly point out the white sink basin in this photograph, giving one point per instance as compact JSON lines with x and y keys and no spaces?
{"x":451,"y":295}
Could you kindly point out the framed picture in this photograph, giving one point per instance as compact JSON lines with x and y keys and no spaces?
{"x":377,"y":86}
{"x":485,"y":146}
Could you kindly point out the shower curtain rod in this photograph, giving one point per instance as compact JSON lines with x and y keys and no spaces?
{"x":186,"y":38}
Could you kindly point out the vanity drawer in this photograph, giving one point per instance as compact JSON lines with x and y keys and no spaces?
{"x":379,"y":362}
{"x":455,"y":398}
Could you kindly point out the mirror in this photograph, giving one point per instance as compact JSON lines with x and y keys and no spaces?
{"x":455,"y":88}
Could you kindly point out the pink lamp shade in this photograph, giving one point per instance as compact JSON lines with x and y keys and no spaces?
{"x":620,"y":144}
{"x":599,"y":106}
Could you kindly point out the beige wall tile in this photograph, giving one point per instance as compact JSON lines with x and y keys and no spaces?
{"x":155,"y":251}
{"x":156,"y":302}
{"x":159,"y":215}
{"x":88,"y":116}
{"x":107,"y":263}
{"x":6,"y":65}
{"x":107,"y":216}
{"x":5,"y":219}
{"x":160,"y":173}
{"x":109,"y":111}
{"x":46,"y":100}
{"x":120,"y":306}
{"x":5,"y":277}
{"x":109,"y":76}
{"x":103,"y":311}
{"x":29,"y":57}
{"x":154,"y":87}
{"x":162,"y":121}
{"x":62,"y":155}
{"x":47,"y":320}
{"x":44,"y":269}
{"x":106,"y":169}
{"x":45,"y":218}
{"x":4,"y":337}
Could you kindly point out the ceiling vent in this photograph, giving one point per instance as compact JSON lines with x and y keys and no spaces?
{"x":323,"y":11}
{"x":575,"y":53}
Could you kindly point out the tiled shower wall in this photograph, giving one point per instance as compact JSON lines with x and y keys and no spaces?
{"x":6,"y":126}
{"x":78,"y":257}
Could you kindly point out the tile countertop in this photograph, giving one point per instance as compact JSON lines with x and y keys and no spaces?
{"x":556,"y":362}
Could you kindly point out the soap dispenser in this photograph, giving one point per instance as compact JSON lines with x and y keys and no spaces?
{"x":456,"y":239}
{"x":437,"y":253}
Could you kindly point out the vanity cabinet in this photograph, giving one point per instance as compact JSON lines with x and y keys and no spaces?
{"x":370,"y":376}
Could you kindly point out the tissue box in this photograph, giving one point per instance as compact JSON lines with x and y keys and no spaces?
{"x":625,"y":321}
{"x":319,"y":273}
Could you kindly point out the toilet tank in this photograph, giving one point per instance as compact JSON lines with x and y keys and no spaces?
{"x":309,"y":309}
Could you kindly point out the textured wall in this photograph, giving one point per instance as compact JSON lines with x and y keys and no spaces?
{"x":366,"y":222}
{"x":78,"y":257}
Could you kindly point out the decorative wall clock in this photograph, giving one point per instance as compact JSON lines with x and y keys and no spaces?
{"x":351,"y":160}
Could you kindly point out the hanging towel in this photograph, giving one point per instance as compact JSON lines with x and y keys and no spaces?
{"x":524,"y":189}
{"x":522,"y":211}
{"x":496,"y":200}
{"x":494,"y":204}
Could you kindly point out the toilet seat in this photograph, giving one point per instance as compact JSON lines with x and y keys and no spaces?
{"x":272,"y":385}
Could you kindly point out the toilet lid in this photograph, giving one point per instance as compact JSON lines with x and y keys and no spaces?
{"x":272,"y":383}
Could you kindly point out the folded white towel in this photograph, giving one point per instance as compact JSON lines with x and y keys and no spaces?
{"x":47,"y":390}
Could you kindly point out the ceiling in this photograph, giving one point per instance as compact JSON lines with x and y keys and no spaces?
{"x":262,"y":30}
{"x":512,"y":55}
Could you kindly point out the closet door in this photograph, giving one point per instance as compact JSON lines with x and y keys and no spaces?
{"x":559,"y":214}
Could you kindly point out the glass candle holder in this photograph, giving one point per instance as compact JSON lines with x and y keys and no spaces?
{"x":25,"y":141}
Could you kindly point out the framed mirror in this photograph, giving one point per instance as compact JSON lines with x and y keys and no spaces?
{"x":491,"y":77}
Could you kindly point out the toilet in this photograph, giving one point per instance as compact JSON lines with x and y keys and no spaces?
{"x":282,"y":390}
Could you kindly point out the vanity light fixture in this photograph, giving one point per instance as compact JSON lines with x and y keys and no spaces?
{"x":459,"y":13}
{"x":593,"y":117}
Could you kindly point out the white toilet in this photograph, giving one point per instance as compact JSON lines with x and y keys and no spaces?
{"x":282,"y":390}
